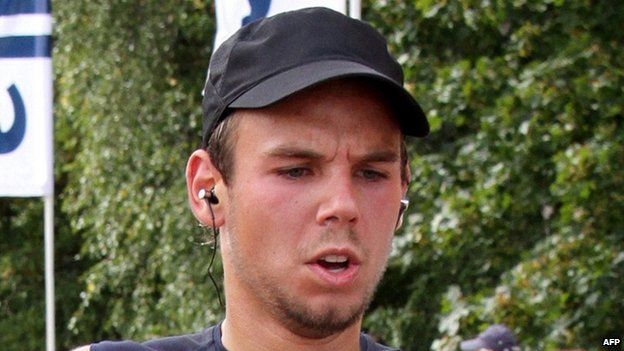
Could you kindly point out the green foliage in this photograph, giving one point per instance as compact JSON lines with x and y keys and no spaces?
{"x":517,"y":191}
{"x":22,"y":293}
{"x":21,"y":275}
{"x":129,"y":76}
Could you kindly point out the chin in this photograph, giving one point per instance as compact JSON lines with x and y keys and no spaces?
{"x":326,"y":322}
{"x":321,"y":317}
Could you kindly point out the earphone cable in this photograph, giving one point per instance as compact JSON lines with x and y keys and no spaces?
{"x":215,"y":235}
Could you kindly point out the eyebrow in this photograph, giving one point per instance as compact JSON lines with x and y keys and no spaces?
{"x":385,"y":156}
{"x":283,"y":151}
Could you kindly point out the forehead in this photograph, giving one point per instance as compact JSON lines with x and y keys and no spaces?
{"x":350,"y":111}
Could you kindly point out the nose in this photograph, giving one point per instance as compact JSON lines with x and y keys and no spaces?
{"x":339,"y":204}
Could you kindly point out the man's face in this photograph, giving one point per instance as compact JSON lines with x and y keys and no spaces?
{"x":312,"y":206}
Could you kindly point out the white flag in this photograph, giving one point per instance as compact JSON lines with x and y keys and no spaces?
{"x":26,"y":155}
{"x":233,"y":14}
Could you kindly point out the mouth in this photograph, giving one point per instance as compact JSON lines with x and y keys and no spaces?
{"x":334,"y":263}
{"x":337,"y":267}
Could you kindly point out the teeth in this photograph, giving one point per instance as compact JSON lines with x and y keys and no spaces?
{"x":334,"y":259}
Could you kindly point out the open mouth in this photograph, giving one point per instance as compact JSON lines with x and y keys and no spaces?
{"x":334,"y":263}
{"x":335,"y":268}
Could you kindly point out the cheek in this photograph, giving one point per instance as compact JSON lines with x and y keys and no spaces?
{"x":380,"y":209}
{"x":378,"y":222}
{"x":379,"y":241}
{"x":266,"y":218}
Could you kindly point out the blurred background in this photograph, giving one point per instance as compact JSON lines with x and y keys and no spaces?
{"x":517,"y":196}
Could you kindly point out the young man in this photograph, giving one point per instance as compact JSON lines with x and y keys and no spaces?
{"x":304,"y":171}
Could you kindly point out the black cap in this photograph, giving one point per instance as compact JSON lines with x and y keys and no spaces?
{"x":496,"y":338}
{"x":275,"y":57}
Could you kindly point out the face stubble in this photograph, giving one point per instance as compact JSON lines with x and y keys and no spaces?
{"x":291,"y":310}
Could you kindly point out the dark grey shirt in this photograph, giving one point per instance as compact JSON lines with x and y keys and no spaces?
{"x":207,"y":340}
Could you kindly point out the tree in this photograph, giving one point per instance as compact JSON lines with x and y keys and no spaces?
{"x":517,"y":191}
{"x":128,"y":81}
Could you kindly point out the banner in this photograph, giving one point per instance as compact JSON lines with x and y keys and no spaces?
{"x":233,"y":14}
{"x":26,"y":154}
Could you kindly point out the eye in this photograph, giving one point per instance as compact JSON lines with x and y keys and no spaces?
{"x":295,"y":172}
{"x":372,"y":175}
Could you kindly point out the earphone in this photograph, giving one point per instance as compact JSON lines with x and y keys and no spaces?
{"x":404,"y":205}
{"x":211,"y":198}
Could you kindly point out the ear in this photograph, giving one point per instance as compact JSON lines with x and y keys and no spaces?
{"x":202,"y":174}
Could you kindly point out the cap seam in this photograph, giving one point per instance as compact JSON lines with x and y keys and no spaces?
{"x":238,"y":41}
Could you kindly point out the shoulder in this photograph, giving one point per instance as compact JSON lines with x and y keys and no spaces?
{"x":368,"y":344}
{"x":83,"y":348}
{"x":209,"y":339}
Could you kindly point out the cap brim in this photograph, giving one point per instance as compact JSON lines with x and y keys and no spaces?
{"x":410,"y":115}
{"x":471,"y":345}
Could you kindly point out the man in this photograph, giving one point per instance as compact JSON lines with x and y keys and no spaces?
{"x":497,"y":337}
{"x":304,"y":171}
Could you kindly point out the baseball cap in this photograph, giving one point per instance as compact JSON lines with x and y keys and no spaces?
{"x":497,"y":338}
{"x":276,"y":57}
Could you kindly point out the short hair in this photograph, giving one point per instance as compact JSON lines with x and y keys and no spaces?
{"x":220,"y":148}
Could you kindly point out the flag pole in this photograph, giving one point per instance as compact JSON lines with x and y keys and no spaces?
{"x":49,"y":270}
{"x":355,"y":9}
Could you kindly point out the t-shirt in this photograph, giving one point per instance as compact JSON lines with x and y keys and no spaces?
{"x":207,"y":340}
